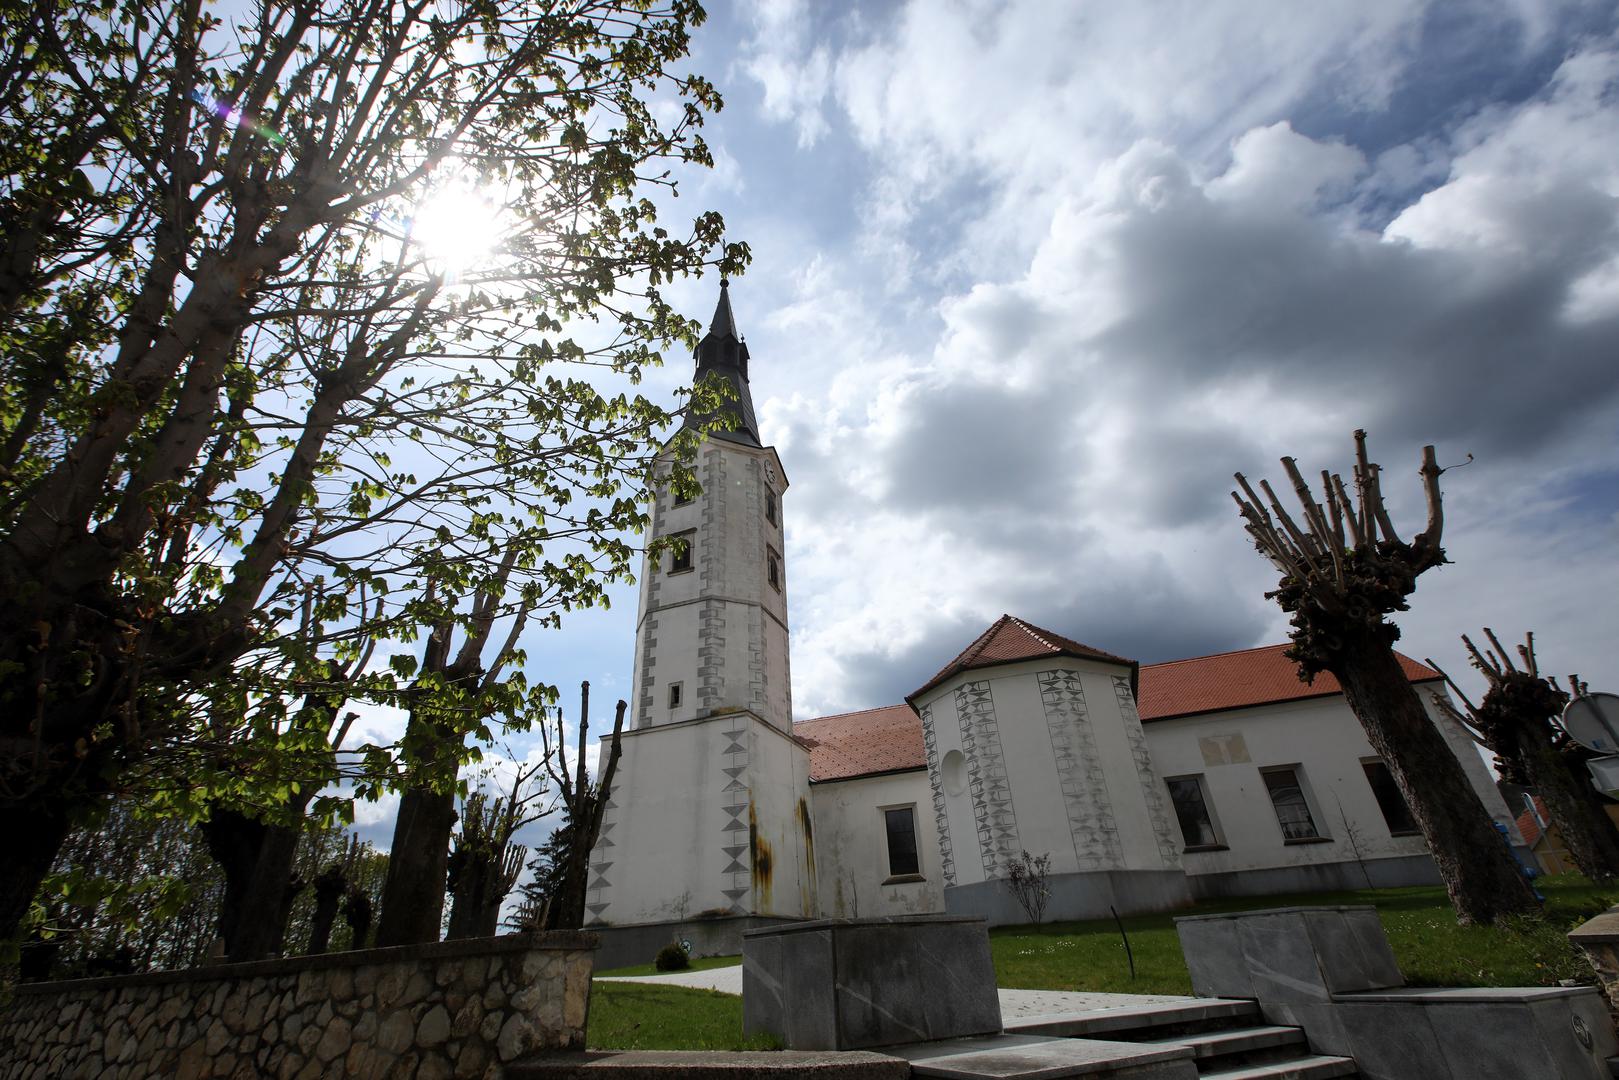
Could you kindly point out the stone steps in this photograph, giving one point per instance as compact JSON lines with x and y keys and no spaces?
{"x":1313,"y":1067}
{"x":1228,"y":1038}
{"x":1143,"y":1021}
{"x":1246,"y":1042}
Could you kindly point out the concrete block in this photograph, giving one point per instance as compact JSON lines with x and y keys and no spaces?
{"x":1577,"y":1032}
{"x":1288,"y":954}
{"x":1352,"y":951}
{"x":1488,"y":1032}
{"x":1281,"y":957}
{"x":1321,"y":1021}
{"x":788,"y":988}
{"x":1391,"y":1042}
{"x":1214,"y":956}
{"x":841,"y":984}
{"x":1495,"y":1042}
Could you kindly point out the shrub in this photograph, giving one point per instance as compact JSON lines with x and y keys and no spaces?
{"x":671,"y":958}
{"x":1026,"y":877}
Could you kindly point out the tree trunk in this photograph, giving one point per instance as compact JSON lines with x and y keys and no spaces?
{"x":329,"y":887}
{"x":34,"y":833}
{"x":475,"y":911}
{"x":568,"y":904}
{"x":1474,"y":862}
{"x":1563,"y":781}
{"x":257,"y":862}
{"x":413,"y":895}
{"x":357,"y":913}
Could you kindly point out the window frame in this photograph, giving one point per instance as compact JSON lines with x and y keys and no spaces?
{"x":676,"y":695}
{"x":900,"y":876}
{"x":1311,"y":811}
{"x":1366,"y":766}
{"x":773,"y":568}
{"x":681,"y":562}
{"x":1209,"y":817}
{"x":770,"y":506}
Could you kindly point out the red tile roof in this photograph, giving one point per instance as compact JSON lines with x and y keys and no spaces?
{"x":1235,"y":680}
{"x":1011,"y":639}
{"x":889,"y":739}
{"x":1529,"y":826}
{"x":863,"y":743}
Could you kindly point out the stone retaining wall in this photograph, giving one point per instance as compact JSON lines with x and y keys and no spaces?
{"x":451,"y":1009}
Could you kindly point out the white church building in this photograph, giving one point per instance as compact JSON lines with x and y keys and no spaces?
{"x":1148,"y":786}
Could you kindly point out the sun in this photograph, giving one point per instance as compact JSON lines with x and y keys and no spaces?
{"x":458,"y":226}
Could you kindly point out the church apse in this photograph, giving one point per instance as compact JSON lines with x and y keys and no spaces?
{"x":1040,"y":754}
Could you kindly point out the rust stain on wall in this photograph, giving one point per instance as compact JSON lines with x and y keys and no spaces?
{"x":806,"y":887}
{"x":762,"y":860}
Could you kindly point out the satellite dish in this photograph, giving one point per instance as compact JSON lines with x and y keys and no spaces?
{"x":1592,"y":720}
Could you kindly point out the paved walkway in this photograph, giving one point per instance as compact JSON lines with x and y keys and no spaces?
{"x":1014,"y":1003}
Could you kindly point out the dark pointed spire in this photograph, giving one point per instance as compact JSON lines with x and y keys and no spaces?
{"x":723,"y":353}
{"x":723,"y":321}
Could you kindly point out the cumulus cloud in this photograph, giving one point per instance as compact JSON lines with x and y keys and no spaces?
{"x":1174,"y":287}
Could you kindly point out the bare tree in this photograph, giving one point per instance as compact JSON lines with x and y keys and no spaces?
{"x":280,"y":767}
{"x":453,"y":694}
{"x":485,"y":864}
{"x":1027,"y":879}
{"x":1517,"y":719}
{"x":583,"y":803}
{"x":1344,"y":570}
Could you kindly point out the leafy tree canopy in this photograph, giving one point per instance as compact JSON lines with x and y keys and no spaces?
{"x":262,"y":405}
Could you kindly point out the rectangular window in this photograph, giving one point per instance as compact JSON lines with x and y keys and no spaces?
{"x":683,"y":498}
{"x":1192,"y":810}
{"x":1389,"y":800}
{"x":770,"y":506}
{"x":1292,"y":808}
{"x":674,"y":695}
{"x":901,"y":824}
{"x":773,"y":569}
{"x":680,"y":555}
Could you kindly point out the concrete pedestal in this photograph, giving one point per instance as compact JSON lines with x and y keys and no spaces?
{"x":1330,"y":971}
{"x":848,"y":984}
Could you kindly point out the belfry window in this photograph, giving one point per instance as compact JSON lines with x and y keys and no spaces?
{"x":674,"y":695}
{"x":773,"y":569}
{"x":770,"y":506}
{"x":680,"y":554}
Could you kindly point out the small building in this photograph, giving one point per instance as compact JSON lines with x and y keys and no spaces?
{"x":1545,"y":840}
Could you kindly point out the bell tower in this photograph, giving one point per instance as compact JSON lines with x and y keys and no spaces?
{"x":709,"y":812}
{"x":711,"y":632}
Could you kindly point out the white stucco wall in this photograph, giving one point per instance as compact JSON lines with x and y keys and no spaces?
{"x":720,"y":628}
{"x":1324,"y":740}
{"x":693,"y":806}
{"x":851,"y":847}
{"x":1062,"y":765}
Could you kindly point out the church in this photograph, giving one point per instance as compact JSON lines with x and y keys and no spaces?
{"x":1147,"y":787}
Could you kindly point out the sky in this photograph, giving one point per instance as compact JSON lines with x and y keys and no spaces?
{"x":1031,"y":281}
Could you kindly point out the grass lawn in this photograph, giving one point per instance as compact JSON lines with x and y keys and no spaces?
{"x":1431,"y":948}
{"x":639,"y":1016}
